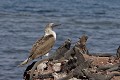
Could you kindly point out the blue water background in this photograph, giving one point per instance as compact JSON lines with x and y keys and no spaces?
{"x":22,"y":22}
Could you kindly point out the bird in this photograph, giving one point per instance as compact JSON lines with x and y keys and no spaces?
{"x":43,"y":45}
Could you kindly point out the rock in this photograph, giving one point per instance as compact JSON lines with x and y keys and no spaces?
{"x":42,"y":66}
{"x":60,"y":52}
{"x":75,"y":64}
{"x":57,"y":66}
{"x":57,"y":76}
{"x":74,"y":79}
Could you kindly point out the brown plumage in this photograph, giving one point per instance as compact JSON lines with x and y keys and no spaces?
{"x":42,"y":45}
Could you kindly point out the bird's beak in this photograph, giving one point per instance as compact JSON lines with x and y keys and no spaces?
{"x":54,"y":25}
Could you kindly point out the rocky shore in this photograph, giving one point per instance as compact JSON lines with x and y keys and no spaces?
{"x":75,"y":63}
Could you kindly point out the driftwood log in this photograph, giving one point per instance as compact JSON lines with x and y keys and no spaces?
{"x":75,"y":63}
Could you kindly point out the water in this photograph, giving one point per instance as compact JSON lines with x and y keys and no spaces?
{"x":22,"y":23}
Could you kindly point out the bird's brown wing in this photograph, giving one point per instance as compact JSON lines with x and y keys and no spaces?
{"x":42,"y":46}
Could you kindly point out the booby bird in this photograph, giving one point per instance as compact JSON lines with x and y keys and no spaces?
{"x":43,"y":45}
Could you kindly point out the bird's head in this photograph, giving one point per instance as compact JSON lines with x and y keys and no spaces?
{"x":51,"y":25}
{"x":49,"y":28}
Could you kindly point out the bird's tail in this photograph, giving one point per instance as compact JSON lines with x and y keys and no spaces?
{"x":25,"y":62}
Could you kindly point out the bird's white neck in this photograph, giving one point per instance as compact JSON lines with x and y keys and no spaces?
{"x":49,"y":32}
{"x":54,"y":34}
